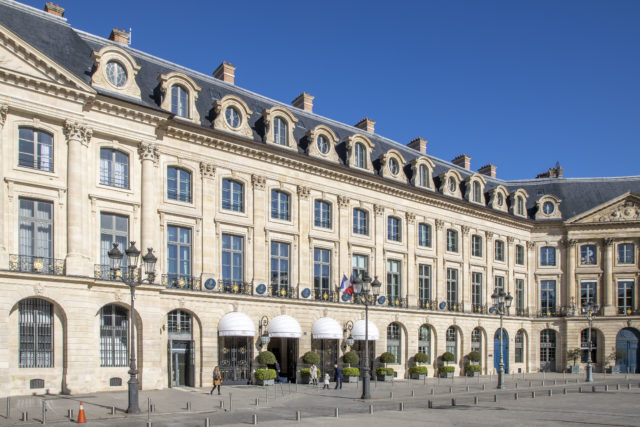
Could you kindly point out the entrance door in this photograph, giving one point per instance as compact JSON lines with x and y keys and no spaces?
{"x":235,"y":359}
{"x":359,"y":348}
{"x":497,"y":351}
{"x":328,"y":351}
{"x":548,"y":350}
{"x":628,"y":349}
{"x":286,"y":352}
{"x":180,"y":359}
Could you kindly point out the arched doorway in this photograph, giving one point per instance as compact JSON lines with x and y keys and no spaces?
{"x":325,"y":335}
{"x":548,"y":350}
{"x":285,"y":332}
{"x":498,"y":351}
{"x":359,"y":335}
{"x":627,"y":350}
{"x":181,"y":349}
{"x":235,"y":332}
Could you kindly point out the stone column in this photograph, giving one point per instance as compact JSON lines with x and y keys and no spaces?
{"x":465,"y":279}
{"x":411,"y":282}
{"x":78,"y":137}
{"x":210,"y":266}
{"x":530,"y":292}
{"x":510,"y":252}
{"x":607,"y":281}
{"x":305,"y":263}
{"x":260,"y":211}
{"x":4,"y":256}
{"x":490,"y":255}
{"x":379,"y":231}
{"x":148,"y":214}
{"x":571,"y":275}
{"x":441,"y":241}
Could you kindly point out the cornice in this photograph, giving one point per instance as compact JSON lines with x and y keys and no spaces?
{"x":25,"y":81}
{"x":108,"y":106}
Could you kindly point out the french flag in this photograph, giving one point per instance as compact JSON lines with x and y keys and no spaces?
{"x":346,"y":285}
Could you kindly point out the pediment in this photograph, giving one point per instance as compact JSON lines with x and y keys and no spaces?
{"x":625,"y":208}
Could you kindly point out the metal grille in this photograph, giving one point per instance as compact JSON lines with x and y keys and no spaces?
{"x":452,"y":341}
{"x":179,"y":322}
{"x":36,"y":333}
{"x":115,"y":382}
{"x":36,"y":383}
{"x":476,"y":340}
{"x":424,"y":341}
{"x":393,"y":340}
{"x":113,"y":336}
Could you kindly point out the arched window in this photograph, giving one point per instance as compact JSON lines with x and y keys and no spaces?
{"x":452,"y":240}
{"x":424,"y":341}
{"x":394,"y":340}
{"x":179,"y":101}
{"x":35,"y":149}
{"x":520,"y":205}
{"x":548,"y":350}
{"x":178,"y":184}
{"x":452,"y":342}
{"x":424,"y":235}
{"x":232,"y":195}
{"x":280,"y":206}
{"x":423,"y":173}
{"x":322,"y":214}
{"x":114,"y":168}
{"x":360,"y":222}
{"x":360,"y":152}
{"x":519,"y":355}
{"x":393,"y":229}
{"x":35,"y":328}
{"x":477,"y":192}
{"x":114,"y":337}
{"x":584,"y":345}
{"x":476,"y":340}
{"x":179,"y":322}
{"x":280,"y":131}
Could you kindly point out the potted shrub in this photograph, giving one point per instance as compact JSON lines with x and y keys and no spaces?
{"x":614,"y":356}
{"x":305,"y":373}
{"x":265,"y":376}
{"x":473,"y":368}
{"x":266,"y":358}
{"x":447,"y":357}
{"x":418,"y":372}
{"x":386,"y":374}
{"x":350,"y":374}
{"x":310,"y":358}
{"x":574,"y":355}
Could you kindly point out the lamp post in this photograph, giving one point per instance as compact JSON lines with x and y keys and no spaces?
{"x":589,"y":311}
{"x":501,"y":303}
{"x":349,"y":341}
{"x":367,"y":292}
{"x":130,"y":279}
{"x":264,"y":334}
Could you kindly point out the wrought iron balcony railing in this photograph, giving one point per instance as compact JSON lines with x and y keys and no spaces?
{"x":395,"y":301}
{"x":104,"y":272}
{"x":236,"y":287}
{"x":427,"y":304}
{"x":627,"y":311}
{"x":479,"y":308}
{"x":36,"y":264}
{"x":521,"y":312}
{"x":179,"y":281}
{"x":280,"y":291}
{"x":325,"y":295}
{"x":454,"y":306}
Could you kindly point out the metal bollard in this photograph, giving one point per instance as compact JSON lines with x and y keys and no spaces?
{"x":550,"y":393}
{"x":467,"y":389}
{"x":222,"y":404}
{"x":153,"y":407}
{"x":606,"y":387}
{"x":25,"y":416}
{"x":298,"y":416}
{"x":149,"y":424}
{"x":516,"y":386}
{"x":229,"y":402}
{"x":371,"y":409}
{"x":401,"y":407}
{"x":564,"y":390}
{"x":70,"y":414}
{"x":529,"y":384}
{"x":390,"y":395}
{"x":188,"y":406}
{"x":495,"y":397}
{"x":484,"y":387}
{"x":257,"y":402}
{"x":555,"y":382}
{"x":475,"y":400}
{"x":413,"y":393}
{"x":429,"y":404}
{"x":207,"y":423}
{"x":515,"y":396}
{"x":433,"y":392}
{"x":533,"y":394}
{"x":617,"y":386}
{"x":580,"y":389}
{"x":453,"y":402}
{"x":450,"y":390}
{"x":255,"y":419}
{"x":266,"y":392}
{"x":593,"y":389}
{"x":44,"y":412}
{"x":337,"y":412}
{"x":113,"y":410}
{"x":9,"y":406}
{"x":629,"y":386}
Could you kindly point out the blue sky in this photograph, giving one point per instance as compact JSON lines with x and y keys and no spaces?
{"x":517,"y":83}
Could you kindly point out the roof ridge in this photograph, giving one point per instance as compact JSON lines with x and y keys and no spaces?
{"x":32,"y":10}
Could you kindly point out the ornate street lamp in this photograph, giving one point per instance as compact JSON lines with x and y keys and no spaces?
{"x":264,"y":334}
{"x":348,"y":326}
{"x":501,"y":304}
{"x":589,"y":310}
{"x":367,"y":292}
{"x":129,"y":278}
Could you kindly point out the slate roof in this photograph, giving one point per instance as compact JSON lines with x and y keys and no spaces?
{"x":72,"y":49}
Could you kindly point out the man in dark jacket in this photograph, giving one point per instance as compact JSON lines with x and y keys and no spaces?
{"x":337,"y":376}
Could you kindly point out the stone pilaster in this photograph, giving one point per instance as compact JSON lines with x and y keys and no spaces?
{"x":571,"y":273}
{"x":379,"y":232}
{"x":209,"y":203}
{"x":510,"y":252}
{"x":465,"y":276}
{"x":530,"y":290}
{"x":608,"y":286}
{"x":305,"y":264}
{"x":411,"y":283}
{"x":441,"y":246}
{"x":344,"y":225}
{"x":4,"y":256}
{"x":260,"y":209}
{"x":490,"y":251}
{"x":148,"y":214}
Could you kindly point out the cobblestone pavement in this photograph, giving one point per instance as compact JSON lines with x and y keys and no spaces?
{"x":559,"y":399}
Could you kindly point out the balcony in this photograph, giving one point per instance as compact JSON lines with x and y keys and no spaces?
{"x":35,"y":264}
{"x":427,"y":304}
{"x":324,"y":295}
{"x":521,"y":312}
{"x":283,"y":291}
{"x":454,"y":306}
{"x":627,"y":311}
{"x":178,"y":281}
{"x":396,"y":302}
{"x":104,"y":272}
{"x":235,"y":287}
{"x":479,"y":308}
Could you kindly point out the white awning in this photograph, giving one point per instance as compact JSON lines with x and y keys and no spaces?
{"x":358,"y":333}
{"x":284,"y":326}
{"x":236,"y":324}
{"x":326,"y":328}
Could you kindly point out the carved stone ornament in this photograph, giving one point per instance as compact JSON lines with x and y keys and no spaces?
{"x":4,"y":109}
{"x":258,"y":182}
{"x":148,"y":151}
{"x":75,"y":131}
{"x":303,"y":192}
{"x":343,"y":201}
{"x":207,"y":170}
{"x":411,"y":218}
{"x":531,"y":245}
{"x":489,"y":234}
{"x":625,"y":211}
{"x":439,"y":224}
{"x":38,"y":289}
{"x":379,"y":210}
{"x":608,"y":241}
{"x":465,"y":229}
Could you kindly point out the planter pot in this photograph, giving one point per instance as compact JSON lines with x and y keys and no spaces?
{"x":266,"y":382}
{"x":418,"y":376}
{"x":473,"y":374}
{"x":350,"y":379}
{"x":613,"y":369}
{"x":385,"y":377}
{"x":573,"y":369}
{"x":446,"y":374}
{"x":305,"y":380}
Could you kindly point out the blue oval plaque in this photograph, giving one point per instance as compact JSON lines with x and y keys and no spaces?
{"x":346,"y":297}
{"x":210,"y":284}
{"x":492,"y":310}
{"x":261,"y":289}
{"x":306,"y":292}
{"x":382,"y":299}
{"x":443,"y":305}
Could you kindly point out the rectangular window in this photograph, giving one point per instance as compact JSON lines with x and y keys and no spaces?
{"x":280,"y":205}
{"x":360,"y":222}
{"x":499,"y":250}
{"x":393,"y":279}
{"x":360,"y":265}
{"x":625,"y":296}
{"x":548,"y":256}
{"x":114,"y":336}
{"x":393,"y":229}
{"x":452,"y":240}
{"x":424,"y":235}
{"x":114,"y":168}
{"x":232,"y":259}
{"x":321,"y":271}
{"x":322,"y":214}
{"x":178,"y":184}
{"x":452,"y":288}
{"x":476,"y":292}
{"x":178,"y":254}
{"x":113,"y":229}
{"x":232,"y":195}
{"x":35,"y":149}
{"x":548,"y":297}
{"x":519,"y":254}
{"x":476,"y":245}
{"x":35,"y":328}
{"x":520,"y":297}
{"x":279,"y":268}
{"x":393,"y":341}
{"x":587,"y":293}
{"x":626,"y":253}
{"x":36,"y":231}
{"x":588,"y":255}
{"x":424,"y":284}
{"x":519,"y":356}
{"x":498,"y":284}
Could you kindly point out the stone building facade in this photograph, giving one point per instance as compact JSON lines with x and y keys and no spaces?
{"x":256,"y":211}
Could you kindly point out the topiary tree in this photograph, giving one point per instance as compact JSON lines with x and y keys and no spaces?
{"x":574,"y":354}
{"x":420,"y":358}
{"x":447,"y":356}
{"x":474,"y":356}
{"x":351,"y":358}
{"x":266,"y":358}
{"x":387,"y":357}
{"x":311,"y":358}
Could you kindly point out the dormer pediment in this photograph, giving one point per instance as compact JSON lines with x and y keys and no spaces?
{"x":625,"y":208}
{"x":392,"y":165}
{"x":450,"y":183}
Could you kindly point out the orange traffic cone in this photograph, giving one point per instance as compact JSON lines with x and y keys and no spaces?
{"x":81,"y":418}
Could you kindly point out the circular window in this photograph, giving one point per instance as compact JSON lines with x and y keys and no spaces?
{"x":116,"y":73}
{"x":500,"y":199}
{"x":232,"y":116}
{"x":548,"y":208}
{"x":393,"y":166}
{"x":323,"y":144}
{"x":452,"y":185}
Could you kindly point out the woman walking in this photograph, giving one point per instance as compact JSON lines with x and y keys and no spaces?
{"x":313,"y":371}
{"x":217,"y":380}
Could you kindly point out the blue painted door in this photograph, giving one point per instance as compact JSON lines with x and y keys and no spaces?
{"x":627,"y":343}
{"x":497,"y":351}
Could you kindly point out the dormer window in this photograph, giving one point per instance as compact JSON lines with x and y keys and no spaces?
{"x":500,"y":200}
{"x":393,"y":166}
{"x":180,"y":93}
{"x":115,"y":70}
{"x":116,"y":74}
{"x":452,"y":184}
{"x":279,"y":124}
{"x":520,"y":207}
{"x":477,"y":192}
{"x":323,"y":144}
{"x":547,"y":207}
{"x":360,"y":161}
{"x":232,"y":117}
{"x":423,"y":175}
{"x":179,"y":101}
{"x":421,"y":169}
{"x":279,"y":131}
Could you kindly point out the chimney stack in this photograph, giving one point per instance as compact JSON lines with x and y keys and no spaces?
{"x":367,"y":125}
{"x":462,"y":160}
{"x":488,"y":170}
{"x":225,"y":72}
{"x":54,"y":9}
{"x":418,"y":144}
{"x":304,"y":101}
{"x":119,"y":36}
{"x":552,"y":172}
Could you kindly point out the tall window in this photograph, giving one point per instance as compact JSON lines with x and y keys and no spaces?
{"x":424,"y":284}
{"x":520,"y":297}
{"x":178,"y":253}
{"x":360,"y":265}
{"x":179,"y":321}
{"x":519,"y":254}
{"x":499,"y":250}
{"x":359,"y":152}
{"x":520,"y":206}
{"x":279,"y":267}
{"x":477,"y":192}
{"x":584,"y":345}
{"x":476,"y":340}
{"x":280,"y":131}
{"x":519,"y":353}
{"x":35,"y":149}
{"x":625,"y":296}
{"x":393,"y":229}
{"x":625,"y":253}
{"x":476,"y":245}
{"x":548,"y":297}
{"x":232,"y":259}
{"x":232,"y":195}
{"x":322,"y":214}
{"x":476,"y":291}
{"x":35,"y":323}
{"x":452,"y":288}
{"x":499,"y":283}
{"x":452,"y":240}
{"x":178,"y":184}
{"x":547,"y":346}
{"x":36,"y":229}
{"x":587,"y":292}
{"x":547,"y":256}
{"x":321,"y":270}
{"x":424,"y":341}
{"x":394,"y":338}
{"x":423,"y":176}
{"x":114,"y":337}
{"x":113,"y":229}
{"x":360,"y":222}
{"x":588,"y":254}
{"x":452,"y":342}
{"x":114,"y":168}
{"x":393,"y":279}
{"x":424,"y":235}
{"x":280,"y":207}
{"x":179,"y":101}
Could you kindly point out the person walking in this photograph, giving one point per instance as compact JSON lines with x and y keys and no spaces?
{"x":313,"y":373}
{"x":217,"y":379}
{"x":327,"y":378}
{"x":277,"y":366}
{"x":338,"y":376}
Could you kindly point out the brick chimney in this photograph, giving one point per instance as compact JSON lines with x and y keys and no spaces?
{"x":462,"y":160}
{"x":367,"y":125}
{"x":488,"y":170}
{"x":418,"y":144}
{"x":225,"y":72}
{"x":304,"y":101}
{"x":119,"y":36}
{"x":552,"y":172}
{"x":54,"y":9}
